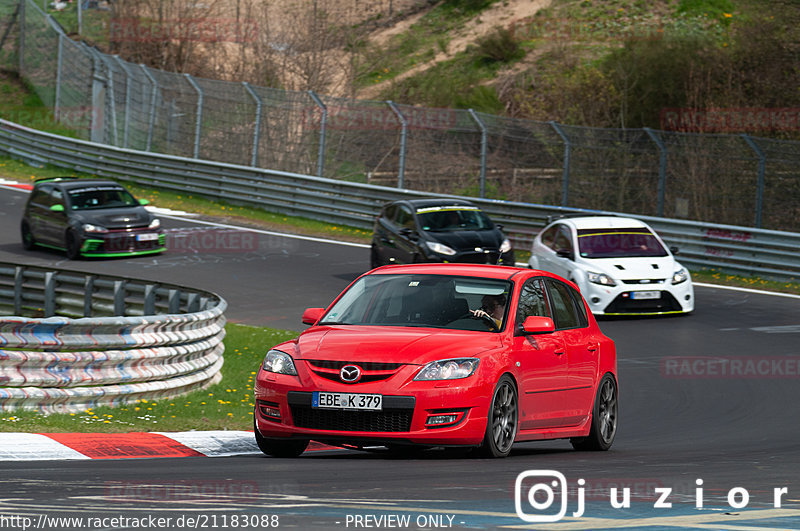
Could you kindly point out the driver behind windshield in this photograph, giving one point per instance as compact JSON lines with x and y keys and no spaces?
{"x":492,"y":307}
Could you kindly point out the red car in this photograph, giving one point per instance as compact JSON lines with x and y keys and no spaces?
{"x":442,"y":355}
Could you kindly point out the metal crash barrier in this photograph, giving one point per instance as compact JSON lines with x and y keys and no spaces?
{"x":74,"y":341}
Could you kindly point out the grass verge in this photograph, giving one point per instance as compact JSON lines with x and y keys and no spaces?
{"x":227,"y":405}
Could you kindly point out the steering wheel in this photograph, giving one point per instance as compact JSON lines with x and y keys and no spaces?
{"x":487,"y":319}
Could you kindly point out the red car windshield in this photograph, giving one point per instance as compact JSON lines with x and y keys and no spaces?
{"x":614,"y":243}
{"x":436,"y":301}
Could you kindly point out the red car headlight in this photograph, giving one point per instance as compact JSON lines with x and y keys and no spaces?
{"x":279,"y":362}
{"x":452,"y":369}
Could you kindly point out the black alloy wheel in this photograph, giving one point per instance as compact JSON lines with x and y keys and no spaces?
{"x":604,"y":418}
{"x":502,"y":421}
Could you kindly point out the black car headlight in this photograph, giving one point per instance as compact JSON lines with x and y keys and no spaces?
{"x":600,"y":278}
{"x":440,"y":248}
{"x":156,"y":223}
{"x":88,"y":227}
{"x":505,"y":246}
{"x":452,"y":369}
{"x":279,"y":363}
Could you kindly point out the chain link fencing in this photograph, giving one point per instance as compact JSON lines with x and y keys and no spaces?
{"x":722,"y":178}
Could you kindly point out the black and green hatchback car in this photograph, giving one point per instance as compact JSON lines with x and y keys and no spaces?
{"x":89,"y":217}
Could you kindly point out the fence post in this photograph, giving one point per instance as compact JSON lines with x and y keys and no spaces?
{"x":97,"y":132}
{"x":198,"y":114}
{"x":257,"y":128}
{"x":88,"y":293}
{"x":662,"y":170}
{"x":762,"y":165}
{"x":153,"y":94}
{"x":104,"y":59}
{"x":567,"y":153}
{"x":484,"y":141}
{"x":19,"y":281}
{"x":21,"y":19}
{"x":322,"y":131}
{"x":128,"y":79}
{"x":59,"y":65}
{"x":49,"y":294}
{"x":119,"y":297}
{"x":401,"y":177}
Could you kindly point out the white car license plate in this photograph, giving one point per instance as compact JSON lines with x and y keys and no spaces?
{"x":641,"y":295}
{"x":360,"y":401}
{"x":146,"y":237}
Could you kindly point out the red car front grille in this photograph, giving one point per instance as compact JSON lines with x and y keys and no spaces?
{"x":371,"y":371}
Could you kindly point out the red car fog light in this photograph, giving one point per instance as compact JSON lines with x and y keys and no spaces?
{"x":269,"y":410}
{"x":440,"y":420}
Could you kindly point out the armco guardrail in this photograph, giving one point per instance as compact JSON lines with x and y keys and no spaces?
{"x":736,"y":249}
{"x":75,"y":341}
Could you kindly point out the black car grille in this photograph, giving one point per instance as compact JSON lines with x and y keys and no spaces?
{"x":124,"y":241}
{"x":477,"y":258}
{"x":623,"y":304}
{"x":645,"y":281}
{"x":371,"y":372}
{"x":395,"y":417}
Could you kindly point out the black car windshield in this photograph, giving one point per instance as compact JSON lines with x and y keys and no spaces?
{"x":96,"y":197}
{"x":436,"y":301}
{"x":453,"y":218}
{"x":614,"y":243}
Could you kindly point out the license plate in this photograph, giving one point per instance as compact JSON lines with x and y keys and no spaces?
{"x":641,"y":295}
{"x":146,"y":237}
{"x":357,"y":401}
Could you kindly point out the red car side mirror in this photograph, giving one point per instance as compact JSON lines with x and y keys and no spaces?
{"x":312,"y":315}
{"x":536,"y":324}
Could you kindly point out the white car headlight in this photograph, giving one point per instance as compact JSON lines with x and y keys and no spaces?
{"x":88,"y":227}
{"x":681,"y":275}
{"x":156,"y":223}
{"x":279,"y":362}
{"x":505,"y":246}
{"x":440,"y":248}
{"x":453,"y":369}
{"x":600,"y":278}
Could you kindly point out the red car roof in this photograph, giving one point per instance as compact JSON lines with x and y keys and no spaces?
{"x":473,"y":270}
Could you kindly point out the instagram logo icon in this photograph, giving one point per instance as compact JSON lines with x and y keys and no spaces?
{"x":535,"y":493}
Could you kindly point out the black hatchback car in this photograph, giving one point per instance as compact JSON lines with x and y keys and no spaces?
{"x":89,"y":217}
{"x":437,"y":230}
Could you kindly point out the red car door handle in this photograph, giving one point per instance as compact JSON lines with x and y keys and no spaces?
{"x":592,"y":347}
{"x":559,"y":352}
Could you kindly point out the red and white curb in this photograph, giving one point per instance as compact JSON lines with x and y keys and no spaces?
{"x":70,"y":446}
{"x":59,"y":446}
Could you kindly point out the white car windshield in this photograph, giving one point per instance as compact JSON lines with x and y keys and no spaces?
{"x":614,"y":243}
{"x":436,"y":301}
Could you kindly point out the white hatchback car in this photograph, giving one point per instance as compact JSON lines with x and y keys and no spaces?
{"x":620,"y":265}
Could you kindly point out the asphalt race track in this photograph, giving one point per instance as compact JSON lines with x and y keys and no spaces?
{"x":713,"y":396}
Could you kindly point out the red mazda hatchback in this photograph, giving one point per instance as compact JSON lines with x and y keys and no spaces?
{"x":442,"y":355}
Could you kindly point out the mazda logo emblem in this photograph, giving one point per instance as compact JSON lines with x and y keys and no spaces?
{"x":350,"y":374}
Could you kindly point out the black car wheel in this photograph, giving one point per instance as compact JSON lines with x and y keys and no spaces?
{"x":604,"y":418}
{"x":28,"y":241}
{"x":73,"y":246}
{"x":502,"y":421}
{"x":280,"y":447}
